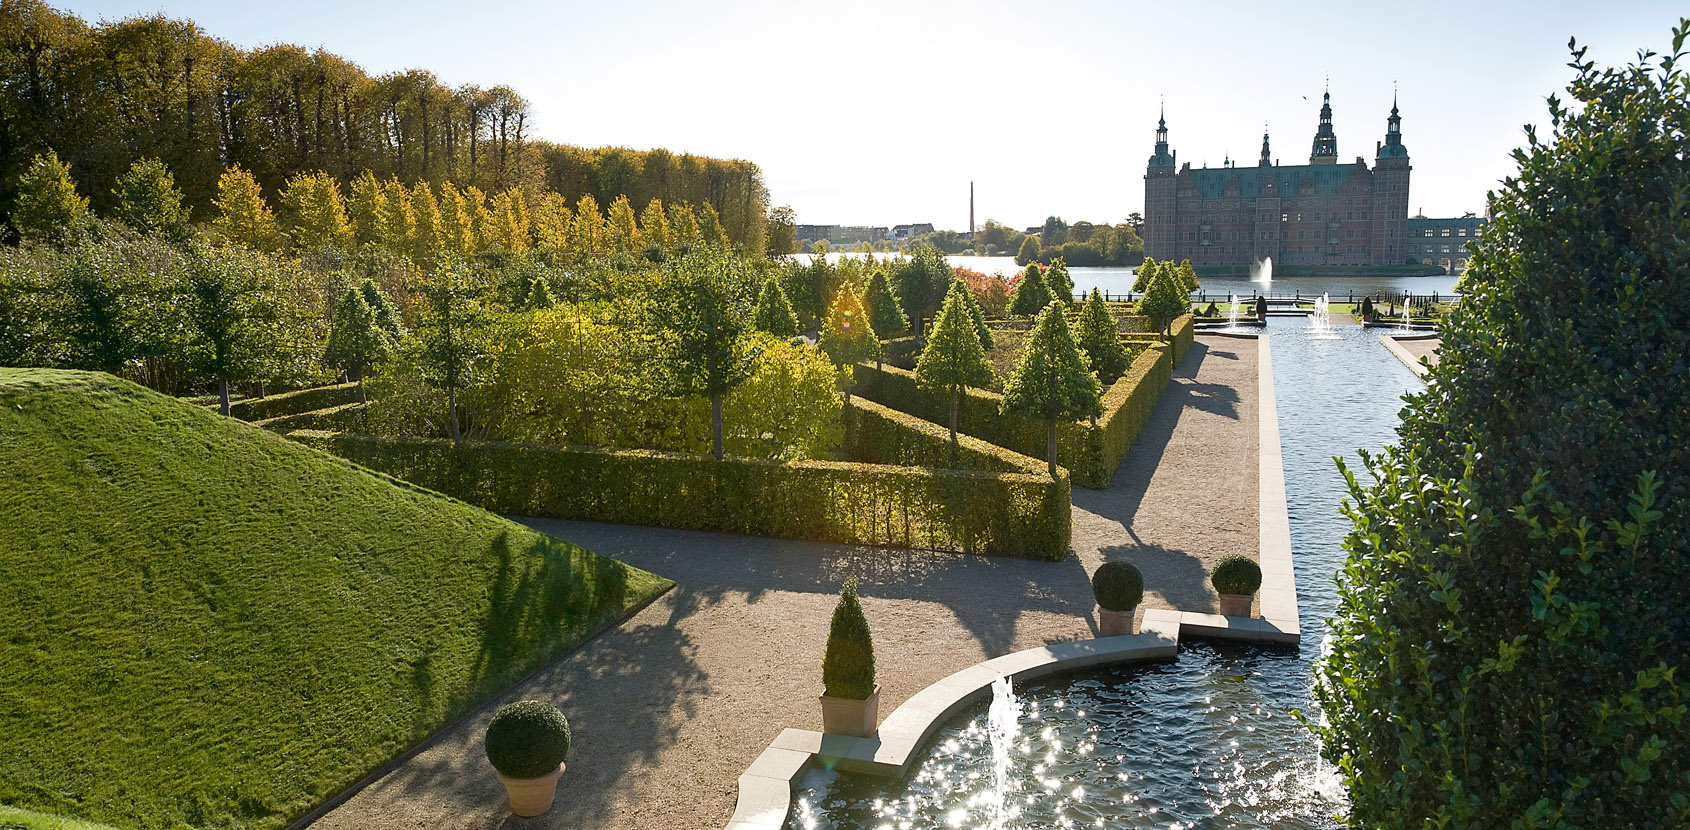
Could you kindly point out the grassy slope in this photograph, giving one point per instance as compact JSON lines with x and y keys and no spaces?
{"x":205,"y":624}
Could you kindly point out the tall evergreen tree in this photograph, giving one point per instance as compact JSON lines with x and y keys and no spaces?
{"x":1052,"y":382}
{"x":1188,"y":276}
{"x":1030,"y":251}
{"x":148,"y":201}
{"x":959,"y":286}
{"x":1031,"y":296}
{"x":953,"y":357}
{"x":1100,"y":338}
{"x":1057,"y":280}
{"x":356,"y":342}
{"x":886,"y":312}
{"x":774,"y":314}
{"x":243,"y":217}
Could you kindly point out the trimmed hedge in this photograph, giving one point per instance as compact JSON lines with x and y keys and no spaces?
{"x":958,"y":510}
{"x":343,"y":418}
{"x":876,"y":434}
{"x":1091,"y":452}
{"x":901,"y":352}
{"x":294,"y":403}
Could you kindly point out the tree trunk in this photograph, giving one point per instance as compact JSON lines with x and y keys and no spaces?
{"x":716,"y":425}
{"x":1051,"y":449}
{"x":223,"y":396}
{"x":452,"y":414}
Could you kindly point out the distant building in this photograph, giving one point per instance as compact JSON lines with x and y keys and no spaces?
{"x":1322,"y":213}
{"x":1442,"y":241}
{"x":815,"y":233}
{"x":902,"y":232}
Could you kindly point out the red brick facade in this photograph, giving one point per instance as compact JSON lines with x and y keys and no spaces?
{"x":1322,"y":213}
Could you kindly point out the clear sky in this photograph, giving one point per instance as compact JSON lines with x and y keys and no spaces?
{"x":881,"y":113}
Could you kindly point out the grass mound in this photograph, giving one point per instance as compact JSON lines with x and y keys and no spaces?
{"x":205,"y":624}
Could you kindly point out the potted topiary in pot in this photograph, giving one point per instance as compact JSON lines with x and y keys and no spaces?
{"x":1118,"y":587}
{"x":526,"y":743}
{"x":1236,"y":578}
{"x":851,"y":702}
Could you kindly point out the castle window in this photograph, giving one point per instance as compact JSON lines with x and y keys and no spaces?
{"x":1286,"y":217}
{"x":1460,"y":231}
{"x":1446,"y":232}
{"x":1428,"y":231}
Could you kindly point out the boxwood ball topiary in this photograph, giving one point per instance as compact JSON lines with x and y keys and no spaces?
{"x":1236,"y":574}
{"x":1118,"y":586}
{"x":527,"y":739}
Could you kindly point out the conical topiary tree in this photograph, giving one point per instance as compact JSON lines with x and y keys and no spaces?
{"x":774,"y":313}
{"x":1100,"y":338}
{"x":1031,"y":295}
{"x":1165,"y":300}
{"x":1052,"y":382}
{"x":885,"y":311}
{"x":356,"y":341}
{"x":848,"y":665}
{"x":953,"y":357}
{"x":387,"y":315}
{"x":1057,"y":280}
{"x":1187,"y":276}
{"x":847,"y":337}
{"x":540,"y":294}
{"x":1143,"y":274}
{"x":960,"y":288}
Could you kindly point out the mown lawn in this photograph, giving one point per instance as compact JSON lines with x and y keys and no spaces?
{"x":204,"y":624}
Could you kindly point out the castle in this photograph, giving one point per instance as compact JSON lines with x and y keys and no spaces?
{"x":1321,"y":213}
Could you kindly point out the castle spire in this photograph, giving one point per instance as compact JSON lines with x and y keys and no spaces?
{"x":1267,"y":158}
{"x":1325,"y":141}
{"x":1162,"y":158}
{"x":1392,"y":148}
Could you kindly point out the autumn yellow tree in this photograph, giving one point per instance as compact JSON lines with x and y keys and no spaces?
{"x":243,"y":217}
{"x":654,"y":224}
{"x":396,"y":221}
{"x":624,"y":228}
{"x":425,"y":241}
{"x":457,"y":225}
{"x":551,"y":225}
{"x":368,"y":203}
{"x":316,"y":212}
{"x":587,"y":235}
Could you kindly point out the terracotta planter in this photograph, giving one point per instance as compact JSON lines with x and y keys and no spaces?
{"x":845,"y":716}
{"x":1236,"y":605}
{"x":531,"y":797}
{"x":1114,"y":623}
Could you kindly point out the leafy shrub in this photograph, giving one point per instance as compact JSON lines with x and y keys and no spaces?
{"x":1118,"y":586}
{"x":527,"y":739}
{"x":848,"y":666}
{"x":1511,"y":639}
{"x":1236,"y":574}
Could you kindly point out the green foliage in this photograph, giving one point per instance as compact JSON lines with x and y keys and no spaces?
{"x":921,"y":280}
{"x":1031,"y":296}
{"x":876,"y":434}
{"x":1053,"y":381}
{"x":1511,"y":626}
{"x":452,"y":339}
{"x":885,"y":310}
{"x":269,"y":622}
{"x":148,"y":201}
{"x":243,"y":217}
{"x":232,"y":310}
{"x":774,"y":314}
{"x":540,"y":295}
{"x":356,"y":341}
{"x":1099,"y":337}
{"x":698,"y":316}
{"x":953,"y":357}
{"x":847,"y":336}
{"x":316,"y":212}
{"x":1029,"y":251}
{"x":1056,"y":279}
{"x":48,"y":207}
{"x":1236,"y":573}
{"x":959,"y":286}
{"x":830,"y":501}
{"x":1144,"y":274}
{"x":527,"y":739}
{"x":848,"y":665}
{"x":1187,"y":276}
{"x":1165,"y":299}
{"x":387,"y":316}
{"x":294,"y":403}
{"x":1118,"y":586}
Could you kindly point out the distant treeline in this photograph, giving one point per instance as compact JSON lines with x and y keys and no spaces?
{"x":103,"y":96}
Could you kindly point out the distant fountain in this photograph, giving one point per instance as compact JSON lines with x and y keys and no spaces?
{"x":1320,"y":322}
{"x":1002,"y":725}
{"x":1262,"y":272}
{"x":1232,"y":312}
{"x":1407,"y":315}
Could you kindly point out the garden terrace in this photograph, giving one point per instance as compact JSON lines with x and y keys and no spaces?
{"x":211,"y":626}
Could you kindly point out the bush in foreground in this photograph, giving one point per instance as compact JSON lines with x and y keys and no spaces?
{"x":1118,"y":586}
{"x":1512,"y":639}
{"x":1236,"y":574}
{"x":527,"y":739}
{"x":848,"y":666}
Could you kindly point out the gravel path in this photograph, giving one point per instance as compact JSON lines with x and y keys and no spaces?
{"x":669,"y":708}
{"x":1423,"y":348}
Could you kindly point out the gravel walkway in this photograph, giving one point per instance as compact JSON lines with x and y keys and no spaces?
{"x":1427,"y":348}
{"x":669,"y":708}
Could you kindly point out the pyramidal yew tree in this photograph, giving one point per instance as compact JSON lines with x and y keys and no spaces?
{"x":848,"y":663}
{"x":959,"y":286}
{"x":1512,"y":642}
{"x":1100,"y":338}
{"x":774,"y":313}
{"x":1031,"y":295}
{"x":885,"y":310}
{"x":1057,"y":280}
{"x":847,"y":337}
{"x":953,"y":357}
{"x":1052,"y":383}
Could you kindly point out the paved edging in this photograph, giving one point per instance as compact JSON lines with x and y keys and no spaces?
{"x":1413,"y":363}
{"x":765,"y":789}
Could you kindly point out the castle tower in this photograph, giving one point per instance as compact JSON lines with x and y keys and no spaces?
{"x":1160,"y":189}
{"x":1325,"y":141}
{"x":1390,"y":195}
{"x":1267,"y":158}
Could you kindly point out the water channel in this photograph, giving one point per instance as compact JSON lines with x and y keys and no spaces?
{"x":1205,"y":741}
